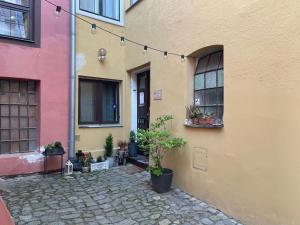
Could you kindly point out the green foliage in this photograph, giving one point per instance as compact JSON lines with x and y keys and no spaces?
{"x":109,"y":146}
{"x":99,"y":159}
{"x":194,"y":112}
{"x":52,"y":146}
{"x":132,"y":136}
{"x":157,"y":141}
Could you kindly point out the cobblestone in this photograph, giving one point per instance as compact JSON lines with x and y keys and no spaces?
{"x":105,"y":197}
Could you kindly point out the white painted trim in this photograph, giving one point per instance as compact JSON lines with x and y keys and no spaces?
{"x":102,"y":18}
{"x":133,"y":102}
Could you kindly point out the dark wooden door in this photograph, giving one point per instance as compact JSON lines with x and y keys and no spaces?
{"x":143,"y":100}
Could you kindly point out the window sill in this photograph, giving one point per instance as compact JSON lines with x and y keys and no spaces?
{"x":99,"y":125}
{"x":204,"y":126}
{"x":133,"y":5}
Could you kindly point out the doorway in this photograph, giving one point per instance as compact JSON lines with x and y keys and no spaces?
{"x":143,"y":100}
{"x":140,"y":116}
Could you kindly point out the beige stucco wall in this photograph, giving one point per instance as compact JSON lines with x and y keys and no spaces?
{"x":87,"y":44}
{"x":253,"y":163}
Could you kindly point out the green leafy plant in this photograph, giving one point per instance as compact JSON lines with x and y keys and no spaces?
{"x":193,"y":112}
{"x":132,"y":136}
{"x":157,"y":141}
{"x":53,"y":146}
{"x":109,"y":146}
{"x":100,"y":159}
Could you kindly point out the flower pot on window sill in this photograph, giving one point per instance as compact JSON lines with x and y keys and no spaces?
{"x":207,"y":121}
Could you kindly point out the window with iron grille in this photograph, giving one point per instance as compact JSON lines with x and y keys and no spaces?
{"x":18,"y":116}
{"x":20,"y":20}
{"x":209,"y":84}
{"x":98,"y":101}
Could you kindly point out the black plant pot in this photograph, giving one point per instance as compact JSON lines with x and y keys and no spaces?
{"x":132,"y":149}
{"x":162,"y":183}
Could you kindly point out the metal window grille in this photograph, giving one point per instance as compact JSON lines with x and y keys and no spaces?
{"x":209,"y":84}
{"x":18,"y":116}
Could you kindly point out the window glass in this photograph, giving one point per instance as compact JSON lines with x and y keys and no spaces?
{"x":13,"y":23}
{"x":106,"y":8}
{"x":202,"y":65}
{"x":211,"y":79}
{"x":87,"y":101}
{"x":214,"y":61}
{"x":220,"y":78}
{"x":17,"y":2}
{"x":98,"y":102}
{"x":109,"y":103}
{"x":199,"y":81}
{"x":16,"y":19}
{"x":133,"y":1}
{"x":199,"y":97}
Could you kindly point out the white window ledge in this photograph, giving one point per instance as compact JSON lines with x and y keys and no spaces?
{"x":99,"y":125}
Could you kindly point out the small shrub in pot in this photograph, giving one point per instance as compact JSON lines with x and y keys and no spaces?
{"x":132,"y":145}
{"x":157,"y":141}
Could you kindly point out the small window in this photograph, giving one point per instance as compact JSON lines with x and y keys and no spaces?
{"x":18,"y":116}
{"x":106,"y":10}
{"x":18,"y":20}
{"x":98,"y":102}
{"x":209,"y":84}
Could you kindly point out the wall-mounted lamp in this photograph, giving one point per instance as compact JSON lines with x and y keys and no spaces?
{"x":102,"y":54}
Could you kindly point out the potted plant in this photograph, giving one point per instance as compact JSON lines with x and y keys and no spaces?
{"x":207,"y":119}
{"x":54,"y":148}
{"x":87,"y":160}
{"x":132,"y":145}
{"x":194,"y":114}
{"x":109,"y":149}
{"x":122,"y":152}
{"x":157,"y":141}
{"x":100,"y":164}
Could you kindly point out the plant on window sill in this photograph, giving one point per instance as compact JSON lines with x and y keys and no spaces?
{"x":195,"y":117}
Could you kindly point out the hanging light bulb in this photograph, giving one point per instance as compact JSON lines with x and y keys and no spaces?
{"x":165,"y":55}
{"x":145,"y":49}
{"x":93,"y":28}
{"x":122,"y":42}
{"x":182,"y":58}
{"x":57,"y":11}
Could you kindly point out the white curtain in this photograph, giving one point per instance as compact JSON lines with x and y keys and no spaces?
{"x":12,"y":23}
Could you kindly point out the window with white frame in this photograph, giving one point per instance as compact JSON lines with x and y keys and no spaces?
{"x":106,"y":10}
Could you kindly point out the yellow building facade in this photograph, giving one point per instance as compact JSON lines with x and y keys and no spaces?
{"x":249,"y":167}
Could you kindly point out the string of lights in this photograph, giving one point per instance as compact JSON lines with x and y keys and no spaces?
{"x":123,"y":39}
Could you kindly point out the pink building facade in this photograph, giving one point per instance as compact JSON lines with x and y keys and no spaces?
{"x":34,"y":84}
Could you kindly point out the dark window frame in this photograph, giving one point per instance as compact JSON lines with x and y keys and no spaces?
{"x":217,"y":105}
{"x":99,"y":93}
{"x":34,"y":27}
{"x":101,"y":11}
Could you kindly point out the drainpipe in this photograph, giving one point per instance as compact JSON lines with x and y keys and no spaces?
{"x":72,"y":78}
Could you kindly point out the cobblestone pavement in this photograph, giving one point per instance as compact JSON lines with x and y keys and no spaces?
{"x":106,"y":197}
